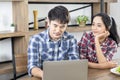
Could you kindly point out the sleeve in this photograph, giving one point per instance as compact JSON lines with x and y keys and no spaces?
{"x":33,"y":56}
{"x":111,"y":50}
{"x":73,"y":50}
{"x":82,"y":46}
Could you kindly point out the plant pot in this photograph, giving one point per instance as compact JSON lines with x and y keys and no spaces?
{"x":82,"y":24}
{"x":12,"y":29}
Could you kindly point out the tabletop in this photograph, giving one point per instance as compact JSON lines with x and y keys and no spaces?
{"x":97,"y":74}
{"x":101,"y":74}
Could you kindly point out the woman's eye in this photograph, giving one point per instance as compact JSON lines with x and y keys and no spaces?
{"x":92,"y":24}
{"x":99,"y":25}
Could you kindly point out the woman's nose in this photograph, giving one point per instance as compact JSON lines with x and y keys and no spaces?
{"x":94,"y":27}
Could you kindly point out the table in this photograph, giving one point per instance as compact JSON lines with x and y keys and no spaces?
{"x":101,"y":74}
{"x":94,"y":74}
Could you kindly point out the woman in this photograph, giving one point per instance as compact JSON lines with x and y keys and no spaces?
{"x":99,"y":45}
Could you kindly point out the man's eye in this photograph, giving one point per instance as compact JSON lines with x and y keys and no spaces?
{"x":62,"y":26}
{"x":55,"y":25}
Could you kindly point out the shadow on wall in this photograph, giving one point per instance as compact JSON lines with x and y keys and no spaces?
{"x":77,"y":35}
{"x":117,"y":55}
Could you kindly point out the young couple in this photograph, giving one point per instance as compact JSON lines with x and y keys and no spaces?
{"x":98,"y":46}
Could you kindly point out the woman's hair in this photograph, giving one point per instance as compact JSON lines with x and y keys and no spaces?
{"x":59,"y":13}
{"x":110,"y":25}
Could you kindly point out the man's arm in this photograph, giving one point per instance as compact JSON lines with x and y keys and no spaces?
{"x":33,"y":58}
{"x":73,"y":50}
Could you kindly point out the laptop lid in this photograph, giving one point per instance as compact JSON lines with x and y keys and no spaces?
{"x":65,"y":70}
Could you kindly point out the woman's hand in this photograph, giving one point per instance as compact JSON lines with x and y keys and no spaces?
{"x":109,"y":64}
{"x":101,"y":37}
{"x":104,"y":65}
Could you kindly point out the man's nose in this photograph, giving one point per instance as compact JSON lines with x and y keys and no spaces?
{"x":58,"y":29}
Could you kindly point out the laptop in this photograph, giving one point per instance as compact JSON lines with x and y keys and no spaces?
{"x":65,"y":70}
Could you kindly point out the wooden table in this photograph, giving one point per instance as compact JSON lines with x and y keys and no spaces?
{"x":98,"y":74}
{"x":93,"y":74}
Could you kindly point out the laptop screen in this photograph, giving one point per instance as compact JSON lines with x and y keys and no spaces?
{"x":65,"y":70}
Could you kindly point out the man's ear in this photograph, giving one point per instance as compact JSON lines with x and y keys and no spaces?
{"x":47,"y":22}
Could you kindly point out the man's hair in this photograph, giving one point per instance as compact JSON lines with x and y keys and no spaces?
{"x":59,"y":13}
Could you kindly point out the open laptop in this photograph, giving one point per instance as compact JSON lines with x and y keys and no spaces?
{"x":65,"y":70}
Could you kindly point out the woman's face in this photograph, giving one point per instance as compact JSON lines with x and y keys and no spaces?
{"x":98,"y":26}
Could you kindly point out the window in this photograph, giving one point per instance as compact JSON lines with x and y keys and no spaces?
{"x":75,"y":9}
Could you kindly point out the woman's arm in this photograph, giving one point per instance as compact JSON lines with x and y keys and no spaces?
{"x":103,"y":62}
{"x":104,"y":65}
{"x":99,"y":39}
{"x":100,"y":56}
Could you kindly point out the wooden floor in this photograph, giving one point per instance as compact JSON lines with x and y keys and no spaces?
{"x":6,"y":70}
{"x":7,"y":76}
{"x":6,"y":67}
{"x":6,"y":73}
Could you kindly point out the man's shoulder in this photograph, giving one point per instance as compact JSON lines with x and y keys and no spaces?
{"x":68,"y":35}
{"x":40,"y":35}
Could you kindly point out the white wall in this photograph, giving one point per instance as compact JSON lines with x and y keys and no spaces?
{"x":77,"y":35}
{"x":115,"y":13}
{"x":44,"y":8}
{"x":5,"y":50}
{"x":5,"y":21}
{"x":5,"y":15}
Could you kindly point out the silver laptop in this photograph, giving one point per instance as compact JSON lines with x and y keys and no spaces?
{"x":65,"y":70}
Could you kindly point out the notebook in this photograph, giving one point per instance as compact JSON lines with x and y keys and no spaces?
{"x":65,"y":70}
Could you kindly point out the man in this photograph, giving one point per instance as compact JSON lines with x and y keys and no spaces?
{"x":53,"y":44}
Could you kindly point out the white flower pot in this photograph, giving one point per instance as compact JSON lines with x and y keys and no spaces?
{"x":12,"y":29}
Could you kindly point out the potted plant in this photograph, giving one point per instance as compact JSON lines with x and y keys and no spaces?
{"x":81,"y":20}
{"x":12,"y":27}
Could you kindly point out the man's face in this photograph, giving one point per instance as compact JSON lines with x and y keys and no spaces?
{"x":56,"y":29}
